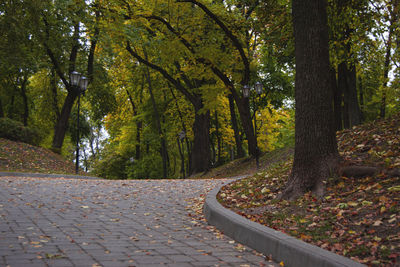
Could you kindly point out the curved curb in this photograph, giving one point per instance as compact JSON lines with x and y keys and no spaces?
{"x":291,"y":251}
{"x":45,"y":175}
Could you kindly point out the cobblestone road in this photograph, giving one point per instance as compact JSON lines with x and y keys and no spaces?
{"x":76,"y":222}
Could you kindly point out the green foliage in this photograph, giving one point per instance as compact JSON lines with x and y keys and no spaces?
{"x":16,"y":131}
{"x":146,"y":168}
{"x":112,"y":166}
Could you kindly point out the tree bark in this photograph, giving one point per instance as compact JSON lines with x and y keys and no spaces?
{"x":361,"y":97}
{"x":354,"y":107}
{"x":201,"y":156}
{"x":238,"y":139}
{"x":53,"y":87}
{"x":61,"y":126}
{"x":25,"y":100}
{"x":1,"y":109}
{"x":316,"y":152}
{"x":247,"y":124}
{"x":337,"y":101}
{"x":347,"y":84}
{"x":219,"y":141}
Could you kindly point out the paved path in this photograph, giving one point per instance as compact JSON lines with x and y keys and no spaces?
{"x":74,"y":222}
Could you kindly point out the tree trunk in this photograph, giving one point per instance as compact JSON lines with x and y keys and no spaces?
{"x":163,"y":143}
{"x":238,"y":139}
{"x":213,"y":151}
{"x":53,"y":87}
{"x":219,"y":145}
{"x":354,"y":107}
{"x":62,"y":124}
{"x":138,"y":123}
{"x":361,"y":96}
{"x":316,"y":152}
{"x":1,"y":110}
{"x":337,"y":101}
{"x":189,"y":167}
{"x":201,"y":156}
{"x":245,"y":117}
{"x":394,"y":14}
{"x":25,"y":100}
{"x":347,"y":84}
{"x":182,"y":157}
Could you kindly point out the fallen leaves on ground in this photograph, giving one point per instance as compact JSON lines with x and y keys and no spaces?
{"x":358,"y":218}
{"x":21,"y":157}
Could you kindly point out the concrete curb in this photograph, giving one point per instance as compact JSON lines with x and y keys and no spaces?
{"x":281,"y":247}
{"x":45,"y":175}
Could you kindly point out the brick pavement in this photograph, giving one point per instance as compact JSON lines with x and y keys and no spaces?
{"x":75,"y":222}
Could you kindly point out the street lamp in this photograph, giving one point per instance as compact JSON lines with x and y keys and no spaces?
{"x":258,"y":87}
{"x":80,"y":83}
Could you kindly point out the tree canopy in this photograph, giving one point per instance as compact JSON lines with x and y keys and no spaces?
{"x":165,"y":97}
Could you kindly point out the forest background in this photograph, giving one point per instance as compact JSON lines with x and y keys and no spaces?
{"x":166,"y":78}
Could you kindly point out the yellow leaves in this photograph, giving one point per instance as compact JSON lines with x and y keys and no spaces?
{"x":394,"y":188}
{"x":265,"y":190}
{"x":352,"y":204}
{"x":392,"y":220}
{"x":305,"y":237}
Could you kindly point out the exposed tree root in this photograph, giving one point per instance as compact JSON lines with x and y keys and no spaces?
{"x":364,"y":171}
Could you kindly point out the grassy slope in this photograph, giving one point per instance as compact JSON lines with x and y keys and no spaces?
{"x":358,"y":218}
{"x":21,"y":157}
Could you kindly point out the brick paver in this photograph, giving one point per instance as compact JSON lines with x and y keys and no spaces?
{"x":75,"y":222}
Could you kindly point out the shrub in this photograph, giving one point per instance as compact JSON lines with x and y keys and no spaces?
{"x":111,"y":167}
{"x":16,"y":131}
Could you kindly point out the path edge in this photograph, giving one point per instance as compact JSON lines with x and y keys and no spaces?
{"x":281,"y":247}
{"x":46,"y":175}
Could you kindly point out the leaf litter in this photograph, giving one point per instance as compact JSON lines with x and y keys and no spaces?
{"x":358,"y":218}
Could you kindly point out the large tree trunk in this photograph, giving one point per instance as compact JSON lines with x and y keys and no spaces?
{"x":316,"y":152}
{"x":238,"y":139}
{"x":201,"y":156}
{"x":61,"y":126}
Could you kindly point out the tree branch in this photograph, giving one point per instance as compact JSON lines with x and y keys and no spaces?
{"x":234,"y":39}
{"x":74,"y":49}
{"x":50,"y":53}
{"x":163,"y":72}
{"x":93,"y":43}
{"x":201,"y":60}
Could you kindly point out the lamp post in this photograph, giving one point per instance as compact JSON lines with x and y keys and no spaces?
{"x":258,"y":87}
{"x":80,"y":83}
